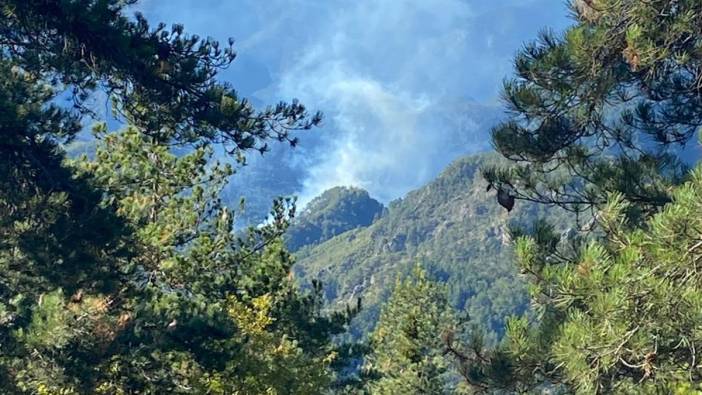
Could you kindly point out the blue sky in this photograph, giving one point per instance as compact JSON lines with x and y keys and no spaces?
{"x":406,"y":86}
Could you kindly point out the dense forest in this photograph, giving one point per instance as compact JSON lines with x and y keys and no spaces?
{"x":564,"y":262}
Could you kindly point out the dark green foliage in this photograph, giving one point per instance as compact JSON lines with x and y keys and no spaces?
{"x":192,"y":277}
{"x":605,"y":107}
{"x":599,"y":118}
{"x":196,"y":309}
{"x":407,"y":343}
{"x":121,"y":273}
{"x":333,"y":212}
{"x":624,"y":317}
{"x":161,"y":80}
{"x":56,"y":238}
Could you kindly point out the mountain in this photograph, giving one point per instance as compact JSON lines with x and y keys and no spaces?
{"x":335,"y":211}
{"x":453,"y":227}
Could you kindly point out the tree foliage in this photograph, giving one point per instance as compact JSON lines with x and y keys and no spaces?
{"x":604,"y":107}
{"x":195,"y":308}
{"x":624,"y":318}
{"x":161,"y":80}
{"x":600,"y":115}
{"x":407,"y":342}
{"x":121,"y":273}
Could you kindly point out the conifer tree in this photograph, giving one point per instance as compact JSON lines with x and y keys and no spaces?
{"x":599,"y":117}
{"x":625,"y":318}
{"x":204,"y":311}
{"x":406,"y":344}
{"x":57,"y":242}
{"x":123,"y":274}
{"x":604,"y":107}
{"x":160,"y":79}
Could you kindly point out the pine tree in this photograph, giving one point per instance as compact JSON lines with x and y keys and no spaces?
{"x":407,"y":343}
{"x":197,"y":309}
{"x":599,"y":117}
{"x":604,"y":108}
{"x":57,"y":242}
{"x":205,"y":311}
{"x":123,"y":274}
{"x":627,"y":314}
{"x":160,"y":80}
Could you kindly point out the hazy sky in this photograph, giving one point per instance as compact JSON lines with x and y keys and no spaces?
{"x":406,"y":86}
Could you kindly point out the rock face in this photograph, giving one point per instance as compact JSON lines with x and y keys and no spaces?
{"x":335,"y":211}
{"x":452,"y":226}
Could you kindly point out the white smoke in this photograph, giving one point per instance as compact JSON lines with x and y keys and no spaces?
{"x":406,"y":85}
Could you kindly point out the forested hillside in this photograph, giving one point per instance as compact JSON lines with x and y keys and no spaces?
{"x":333,"y":212}
{"x":451,"y":226}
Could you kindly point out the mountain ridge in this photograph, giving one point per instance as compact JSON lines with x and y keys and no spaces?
{"x":335,"y":211}
{"x":453,"y":227}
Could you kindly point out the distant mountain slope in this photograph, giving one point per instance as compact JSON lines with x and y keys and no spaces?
{"x":335,"y":211}
{"x":453,"y":227}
